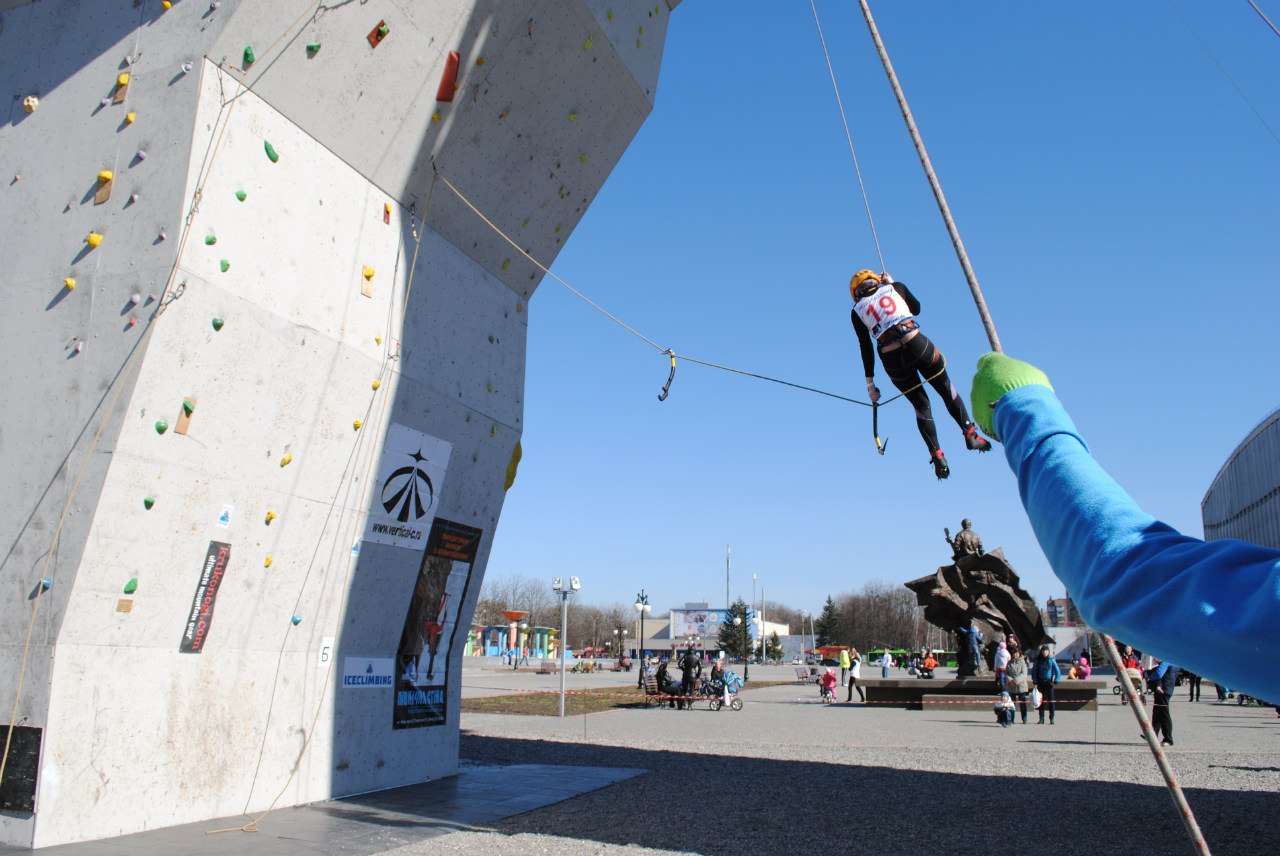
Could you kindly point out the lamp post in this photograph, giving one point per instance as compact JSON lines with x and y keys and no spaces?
{"x":564,"y":591}
{"x":746,"y":653}
{"x":643,"y":608}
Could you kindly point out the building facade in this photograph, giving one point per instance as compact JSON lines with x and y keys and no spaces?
{"x":1244,"y":499}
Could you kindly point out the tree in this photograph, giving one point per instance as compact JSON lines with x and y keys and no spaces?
{"x":773,"y":647}
{"x":733,"y":639}
{"x":826,"y":628}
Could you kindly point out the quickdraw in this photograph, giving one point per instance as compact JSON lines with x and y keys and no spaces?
{"x":666,"y":387}
{"x":875,"y":428}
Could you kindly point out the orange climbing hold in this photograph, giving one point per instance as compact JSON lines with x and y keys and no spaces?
{"x":378,"y":33}
{"x":449,"y":80}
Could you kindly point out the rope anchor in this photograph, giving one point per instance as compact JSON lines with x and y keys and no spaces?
{"x":666,"y":387}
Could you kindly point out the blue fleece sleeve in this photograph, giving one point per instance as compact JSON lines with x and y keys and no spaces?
{"x":1213,"y":607}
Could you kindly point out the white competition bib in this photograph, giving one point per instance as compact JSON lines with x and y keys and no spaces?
{"x":881,"y":309}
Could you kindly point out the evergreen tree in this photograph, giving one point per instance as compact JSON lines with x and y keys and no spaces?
{"x":734,"y":640}
{"x":773,"y":648}
{"x":827,"y":624}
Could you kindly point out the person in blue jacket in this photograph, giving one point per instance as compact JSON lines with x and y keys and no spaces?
{"x":1046,"y":674}
{"x":1163,"y":677}
{"x":1213,"y":607}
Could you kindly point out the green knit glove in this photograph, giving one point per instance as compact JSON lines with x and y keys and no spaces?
{"x":996,"y":375}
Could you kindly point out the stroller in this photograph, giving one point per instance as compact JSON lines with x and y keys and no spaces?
{"x":716,"y":692}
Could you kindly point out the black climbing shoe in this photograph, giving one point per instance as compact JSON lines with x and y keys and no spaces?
{"x":974,"y":441}
{"x":940,"y":468}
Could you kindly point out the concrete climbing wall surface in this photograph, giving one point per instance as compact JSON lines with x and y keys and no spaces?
{"x":238,"y":307}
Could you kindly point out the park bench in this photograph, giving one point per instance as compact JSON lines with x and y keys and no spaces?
{"x":803,"y":675}
{"x":651,"y":694}
{"x":548,"y":667}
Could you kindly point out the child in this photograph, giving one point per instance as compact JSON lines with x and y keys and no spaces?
{"x":828,"y":682}
{"x":1004,"y":710}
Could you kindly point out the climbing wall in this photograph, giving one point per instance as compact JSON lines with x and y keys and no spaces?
{"x":239,"y":303}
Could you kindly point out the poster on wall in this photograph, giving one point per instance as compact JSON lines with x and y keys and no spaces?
{"x":200,"y":617}
{"x":422,"y":661}
{"x":406,"y":490}
{"x":698,"y":622}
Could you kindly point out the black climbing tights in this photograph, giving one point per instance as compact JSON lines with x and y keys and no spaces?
{"x":907,"y":366}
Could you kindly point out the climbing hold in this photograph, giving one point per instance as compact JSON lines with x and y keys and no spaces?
{"x":557,"y":229}
{"x":103,"y":193}
{"x":637,"y":43}
{"x":513,"y":466}
{"x":133,"y":322}
{"x":609,"y":14}
{"x":525,"y":223}
{"x":217,"y":324}
{"x":271,"y":515}
{"x":582,"y":157}
{"x":69,"y":283}
{"x":213,"y":6}
{"x":586,"y":46}
{"x":506,"y":263}
{"x":368,"y":272}
{"x":30,"y":103}
{"x":131,"y":586}
{"x":480,"y":60}
{"x":377,"y":340}
{"x":240,"y":194}
{"x":448,"y":80}
{"x":135,"y":299}
{"x":285,"y":461}
{"x":162,"y":427}
{"x":123,"y":79}
{"x":355,"y":425}
{"x":187,"y":66}
{"x":504,"y":114}
{"x":383,"y":30}
{"x":435,"y":117}
{"x":266,"y":563}
{"x":489,"y":387}
{"x":148,"y":502}
{"x":573,"y":117}
{"x":313,"y":47}
{"x":133,"y":199}
{"x":224,"y":265}
{"x":130,"y":118}
{"x":93,"y":239}
{"x":271,"y":151}
{"x":162,"y":235}
{"x":79,"y":347}
{"x":493,"y":430}
{"x":210,"y":240}
{"x":188,"y":406}
{"x":386,"y":213}
{"x":46,"y":584}
{"x":642,"y":29}
{"x":141,"y":155}
{"x":376,"y":383}
{"x":297,"y":619}
{"x":378,"y":33}
{"x":249,"y":58}
{"x":167,"y":4}
{"x":492,"y":340}
{"x":105,"y":102}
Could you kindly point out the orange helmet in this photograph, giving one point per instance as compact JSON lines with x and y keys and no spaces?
{"x":859,"y":278}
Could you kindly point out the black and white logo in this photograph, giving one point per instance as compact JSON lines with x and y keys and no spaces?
{"x":407,"y":493}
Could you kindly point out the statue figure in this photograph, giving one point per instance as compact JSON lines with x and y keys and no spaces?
{"x":966,"y":542}
{"x":979,"y":598}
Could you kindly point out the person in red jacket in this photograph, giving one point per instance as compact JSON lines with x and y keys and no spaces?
{"x":885,"y":310}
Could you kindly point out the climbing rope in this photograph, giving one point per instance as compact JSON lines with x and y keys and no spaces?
{"x":1263,"y":16}
{"x":866,"y":202}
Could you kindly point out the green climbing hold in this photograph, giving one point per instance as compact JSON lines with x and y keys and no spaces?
{"x":148,"y":502}
{"x":162,"y":427}
{"x":217,"y":324}
{"x":271,"y":151}
{"x":240,"y":194}
{"x":313,"y":47}
{"x":224,"y":264}
{"x":383,"y":29}
{"x":586,"y":46}
{"x":188,"y":406}
{"x":210,"y":240}
{"x":249,"y":58}
{"x":131,"y":586}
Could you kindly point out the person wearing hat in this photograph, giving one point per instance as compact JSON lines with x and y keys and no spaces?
{"x":1209,"y":605}
{"x":666,"y":686}
{"x":885,"y":310}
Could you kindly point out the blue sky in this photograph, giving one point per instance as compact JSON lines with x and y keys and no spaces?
{"x":1120,"y":202}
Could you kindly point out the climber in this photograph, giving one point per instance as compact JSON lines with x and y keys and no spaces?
{"x":884,"y":310}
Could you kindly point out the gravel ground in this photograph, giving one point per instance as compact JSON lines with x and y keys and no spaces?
{"x":796,"y":776}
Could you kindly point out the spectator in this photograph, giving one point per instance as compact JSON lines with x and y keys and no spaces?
{"x":844,"y":665}
{"x":1004,"y":710}
{"x":828,"y":683}
{"x":855,"y":672}
{"x":1193,"y":686}
{"x":929,"y":664}
{"x":691,"y":669}
{"x":1163,"y":678}
{"x":1083,"y":669}
{"x":666,"y":686}
{"x":1000,"y":663}
{"x":1046,"y":674}
{"x":1017,"y":682}
{"x":885,"y":662}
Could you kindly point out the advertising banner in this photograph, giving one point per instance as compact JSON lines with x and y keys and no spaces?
{"x":407,"y":488}
{"x":422,"y":661}
{"x":201,"y":615}
{"x":697,"y":622}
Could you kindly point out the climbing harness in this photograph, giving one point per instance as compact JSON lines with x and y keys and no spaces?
{"x":666,"y":387}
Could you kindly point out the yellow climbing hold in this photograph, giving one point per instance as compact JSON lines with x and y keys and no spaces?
{"x":435,"y":117}
{"x":513,"y":466}
{"x":368,"y":272}
{"x":582,"y":156}
{"x":105,"y":176}
{"x":573,"y":117}
{"x":69,"y":283}
{"x":286,"y":460}
{"x":266,"y":563}
{"x":93,"y":239}
{"x":30,"y":103}
{"x":271,"y":515}
{"x":377,"y":340}
{"x":506,"y":264}
{"x":130,"y":118}
{"x":376,"y":383}
{"x":355,"y":424}
{"x":167,"y":4}
{"x":123,"y":79}
{"x":586,"y":46}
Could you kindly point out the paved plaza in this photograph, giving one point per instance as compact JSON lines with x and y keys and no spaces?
{"x":788,"y":774}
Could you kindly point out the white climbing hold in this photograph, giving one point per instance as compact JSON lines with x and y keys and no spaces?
{"x":187,"y":66}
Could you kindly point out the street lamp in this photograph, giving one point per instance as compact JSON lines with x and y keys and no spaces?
{"x":643,"y":608}
{"x":564,"y":591}
{"x":746,"y":654}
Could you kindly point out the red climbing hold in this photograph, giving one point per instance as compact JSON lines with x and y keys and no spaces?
{"x":449,"y":80}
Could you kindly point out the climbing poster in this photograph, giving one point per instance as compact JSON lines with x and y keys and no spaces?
{"x":406,"y":489}
{"x":201,"y":615}
{"x":422,"y":662}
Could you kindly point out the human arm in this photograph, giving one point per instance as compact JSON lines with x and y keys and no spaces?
{"x":1214,"y":606}
{"x":867,"y":349}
